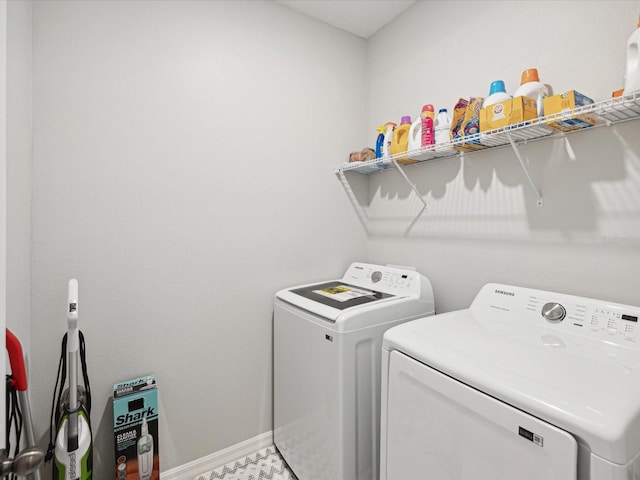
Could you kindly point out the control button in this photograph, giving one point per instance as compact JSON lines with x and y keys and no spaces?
{"x":376,"y":276}
{"x":554,"y":312}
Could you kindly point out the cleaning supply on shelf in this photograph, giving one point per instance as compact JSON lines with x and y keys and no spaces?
{"x":364,"y":155}
{"x":418,"y":150}
{"x":497,"y":94}
{"x":389,"y":127}
{"x":400,"y":141}
{"x":415,"y":151}
{"x":442,"y":130}
{"x":508,"y":112}
{"x":471,"y":124}
{"x":457,"y":124}
{"x":632,"y":75}
{"x":532,"y":87}
{"x":415,"y":135}
{"x":380,"y":141}
{"x":564,"y":104}
{"x":428,"y":134}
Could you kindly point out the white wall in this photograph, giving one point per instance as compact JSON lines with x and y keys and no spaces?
{"x":182,"y":172}
{"x":19,"y":139}
{"x":483,"y":223}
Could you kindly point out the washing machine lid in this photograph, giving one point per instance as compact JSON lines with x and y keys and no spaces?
{"x":581,"y":374}
{"x":363,"y":287}
{"x":331,"y":299}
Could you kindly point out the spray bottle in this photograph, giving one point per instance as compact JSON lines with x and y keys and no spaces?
{"x":632,"y":75}
{"x":388,"y":138}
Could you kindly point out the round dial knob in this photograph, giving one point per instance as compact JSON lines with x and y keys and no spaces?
{"x":554,"y":312}
{"x":376,"y":276}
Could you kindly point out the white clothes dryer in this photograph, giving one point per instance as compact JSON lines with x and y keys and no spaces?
{"x":327,"y":345}
{"x":525,"y":384}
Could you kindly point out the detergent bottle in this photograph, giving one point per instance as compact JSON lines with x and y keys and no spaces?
{"x":497,"y":94}
{"x":380,"y":141}
{"x":427,"y":117}
{"x":388,"y":138}
{"x":632,"y":75}
{"x":415,"y":135}
{"x":400,"y":141}
{"x":442,"y":130}
{"x":530,"y":86}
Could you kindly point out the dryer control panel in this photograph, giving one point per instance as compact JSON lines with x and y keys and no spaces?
{"x":607,"y":321}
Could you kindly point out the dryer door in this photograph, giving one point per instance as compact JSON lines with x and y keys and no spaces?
{"x":438,"y":427}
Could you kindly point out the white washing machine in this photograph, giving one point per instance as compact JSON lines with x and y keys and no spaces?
{"x":327,"y":344}
{"x":525,"y":384}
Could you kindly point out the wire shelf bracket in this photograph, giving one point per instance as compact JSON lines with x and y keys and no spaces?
{"x":516,"y":151}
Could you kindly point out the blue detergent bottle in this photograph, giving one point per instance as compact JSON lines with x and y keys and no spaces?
{"x":380,"y":141}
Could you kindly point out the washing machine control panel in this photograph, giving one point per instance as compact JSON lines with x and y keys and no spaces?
{"x":384,"y":278}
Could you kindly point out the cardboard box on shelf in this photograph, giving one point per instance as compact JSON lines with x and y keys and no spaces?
{"x":509,"y":112}
{"x":564,"y":103}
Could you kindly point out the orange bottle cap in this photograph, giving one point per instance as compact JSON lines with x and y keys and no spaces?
{"x":529,"y":75}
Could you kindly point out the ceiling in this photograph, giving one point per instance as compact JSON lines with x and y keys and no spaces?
{"x":360,"y":17}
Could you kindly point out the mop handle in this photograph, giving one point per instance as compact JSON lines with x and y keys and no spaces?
{"x":73,"y":348}
{"x":73,"y":341}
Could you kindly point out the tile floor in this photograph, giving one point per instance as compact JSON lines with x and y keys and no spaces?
{"x":265,"y":464}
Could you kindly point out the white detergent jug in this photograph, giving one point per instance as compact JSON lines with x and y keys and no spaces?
{"x":415,"y":135}
{"x":415,"y":142}
{"x":497,"y":94}
{"x":443,"y":131}
{"x":530,"y":86}
{"x":632,"y":76}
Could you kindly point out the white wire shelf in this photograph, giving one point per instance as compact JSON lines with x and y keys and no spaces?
{"x":606,"y":112}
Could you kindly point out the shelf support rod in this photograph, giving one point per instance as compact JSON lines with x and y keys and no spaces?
{"x":413,"y":187}
{"x":362,"y":215}
{"x":516,"y":151}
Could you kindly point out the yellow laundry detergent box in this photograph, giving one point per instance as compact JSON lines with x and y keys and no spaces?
{"x":509,"y":112}
{"x":563,"y":104}
{"x":135,"y":429}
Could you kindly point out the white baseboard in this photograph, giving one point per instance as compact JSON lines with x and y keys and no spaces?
{"x":190,"y":470}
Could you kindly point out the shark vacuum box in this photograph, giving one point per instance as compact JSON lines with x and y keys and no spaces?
{"x":135,"y":429}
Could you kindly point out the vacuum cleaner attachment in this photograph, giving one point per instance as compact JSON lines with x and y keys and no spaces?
{"x":145,"y":452}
